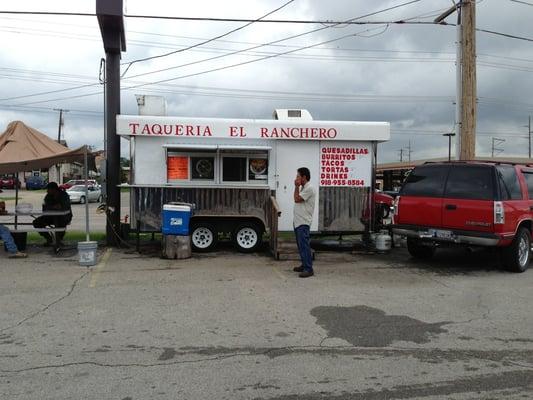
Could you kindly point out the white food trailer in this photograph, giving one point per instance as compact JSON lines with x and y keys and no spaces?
{"x":233,"y":170}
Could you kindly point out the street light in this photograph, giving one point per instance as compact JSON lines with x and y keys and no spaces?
{"x":449,"y":144}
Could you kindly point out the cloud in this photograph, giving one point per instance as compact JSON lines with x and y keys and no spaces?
{"x":405,"y":75}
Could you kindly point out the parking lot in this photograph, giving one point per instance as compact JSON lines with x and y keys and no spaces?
{"x":231,"y":326}
{"x":96,"y":220}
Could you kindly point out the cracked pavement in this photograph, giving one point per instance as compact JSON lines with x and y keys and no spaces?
{"x":232,"y":326}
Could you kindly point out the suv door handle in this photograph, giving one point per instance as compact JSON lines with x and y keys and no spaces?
{"x":451,"y":207}
{"x":530,"y":208}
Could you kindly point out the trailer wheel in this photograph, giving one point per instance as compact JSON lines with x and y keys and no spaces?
{"x":247,"y":237}
{"x":204,"y":237}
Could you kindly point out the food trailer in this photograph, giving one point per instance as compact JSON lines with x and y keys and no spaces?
{"x":236,"y":171}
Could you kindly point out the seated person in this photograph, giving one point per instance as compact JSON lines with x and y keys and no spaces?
{"x":56,"y":199}
{"x":9,"y":243}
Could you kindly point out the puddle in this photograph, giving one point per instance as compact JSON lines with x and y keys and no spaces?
{"x":364,"y":326}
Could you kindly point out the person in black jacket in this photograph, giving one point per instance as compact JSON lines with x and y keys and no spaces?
{"x":56,"y":199}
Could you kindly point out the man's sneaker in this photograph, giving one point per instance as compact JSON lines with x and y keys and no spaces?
{"x":18,"y":254}
{"x":298,"y":269}
{"x":306,"y":274}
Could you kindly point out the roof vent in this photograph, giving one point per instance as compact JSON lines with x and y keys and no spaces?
{"x":285,"y":114}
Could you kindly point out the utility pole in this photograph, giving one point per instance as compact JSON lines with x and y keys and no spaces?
{"x":61,"y":122}
{"x":110,"y":14}
{"x":466,"y":106}
{"x":409,"y":151}
{"x":495,"y":142}
{"x":401,"y":154}
{"x":528,"y":126}
{"x":59,"y":129}
{"x":467,"y":150}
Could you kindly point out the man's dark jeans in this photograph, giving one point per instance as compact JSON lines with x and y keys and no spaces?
{"x":304,"y":246}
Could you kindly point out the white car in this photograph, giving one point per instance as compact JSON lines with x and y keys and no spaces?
{"x":77,"y":194}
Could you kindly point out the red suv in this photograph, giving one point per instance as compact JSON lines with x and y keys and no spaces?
{"x":470,"y":203}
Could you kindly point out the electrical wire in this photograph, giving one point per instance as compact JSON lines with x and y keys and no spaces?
{"x":129,"y":64}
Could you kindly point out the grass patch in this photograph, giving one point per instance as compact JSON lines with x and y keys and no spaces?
{"x":71,"y":236}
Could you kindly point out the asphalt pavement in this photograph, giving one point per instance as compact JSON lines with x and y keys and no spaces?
{"x":232,"y":326}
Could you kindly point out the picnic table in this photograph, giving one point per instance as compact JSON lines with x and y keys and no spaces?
{"x":20,"y":229}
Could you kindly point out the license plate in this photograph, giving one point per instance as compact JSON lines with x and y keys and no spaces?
{"x":440,"y":234}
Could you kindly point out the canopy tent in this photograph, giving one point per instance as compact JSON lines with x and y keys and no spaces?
{"x":23,"y":148}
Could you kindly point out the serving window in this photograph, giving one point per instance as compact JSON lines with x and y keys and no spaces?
{"x":185,"y":167}
{"x":220,"y":166}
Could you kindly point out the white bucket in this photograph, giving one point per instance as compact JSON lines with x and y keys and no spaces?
{"x":87,"y":253}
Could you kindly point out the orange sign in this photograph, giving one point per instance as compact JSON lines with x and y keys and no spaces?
{"x":178,"y":167}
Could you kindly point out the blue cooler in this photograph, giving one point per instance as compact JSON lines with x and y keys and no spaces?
{"x":176,"y":219}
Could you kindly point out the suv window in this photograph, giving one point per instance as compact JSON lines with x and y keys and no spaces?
{"x":509,"y":185}
{"x":470,"y":182}
{"x":529,"y":181}
{"x":426,"y":181}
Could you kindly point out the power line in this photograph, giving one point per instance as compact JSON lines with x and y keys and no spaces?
{"x":522,"y":2}
{"x":505,"y":35}
{"x":206,"y":41}
{"x":276,"y":41}
{"x":232,"y":53}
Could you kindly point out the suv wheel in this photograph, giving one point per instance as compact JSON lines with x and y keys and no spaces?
{"x":418,"y":250}
{"x":516,"y":257}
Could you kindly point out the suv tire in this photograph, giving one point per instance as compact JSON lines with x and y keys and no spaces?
{"x":418,"y":250}
{"x":516,"y":257}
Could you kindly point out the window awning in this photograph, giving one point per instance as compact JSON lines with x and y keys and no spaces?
{"x":191,"y":146}
{"x":215,"y":147}
{"x":236,"y":147}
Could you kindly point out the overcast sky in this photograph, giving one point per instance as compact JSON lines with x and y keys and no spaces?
{"x":404,"y":74}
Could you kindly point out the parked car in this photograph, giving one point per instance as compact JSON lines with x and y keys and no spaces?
{"x":470,"y":204}
{"x":73,"y":182}
{"x":392,"y":193}
{"x":77,"y":194}
{"x":8,"y":182}
{"x":35,"y":183}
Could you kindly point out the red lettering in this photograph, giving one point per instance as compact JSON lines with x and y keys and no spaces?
{"x":179,"y":130}
{"x":285,"y":133}
{"x":156,"y":129}
{"x":133,"y":128}
{"x":146,"y":130}
{"x":332,"y":133}
{"x":264,"y":132}
{"x":207,"y":131}
{"x":189,"y":130}
{"x":168,"y":129}
{"x":233,"y":131}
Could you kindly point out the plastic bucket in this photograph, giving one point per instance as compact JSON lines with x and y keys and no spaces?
{"x":87,"y":253}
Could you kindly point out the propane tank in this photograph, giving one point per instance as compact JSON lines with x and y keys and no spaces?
{"x":383,"y":242}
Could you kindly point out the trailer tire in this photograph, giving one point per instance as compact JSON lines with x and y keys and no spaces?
{"x":247,"y":237}
{"x":204,"y":236}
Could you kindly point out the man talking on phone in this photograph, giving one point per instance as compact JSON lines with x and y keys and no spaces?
{"x":304,"y":207}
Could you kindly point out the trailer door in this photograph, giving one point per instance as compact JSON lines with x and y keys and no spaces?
{"x":291,"y":155}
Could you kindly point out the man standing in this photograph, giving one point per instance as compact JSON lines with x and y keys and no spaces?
{"x":55,"y":200}
{"x":9,"y":243}
{"x":304,"y":206}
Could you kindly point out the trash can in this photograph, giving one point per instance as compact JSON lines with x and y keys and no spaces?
{"x":176,"y":219}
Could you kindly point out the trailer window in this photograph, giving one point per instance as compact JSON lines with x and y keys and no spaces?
{"x":203,"y":168}
{"x":251,"y":167}
{"x":234,"y":169}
